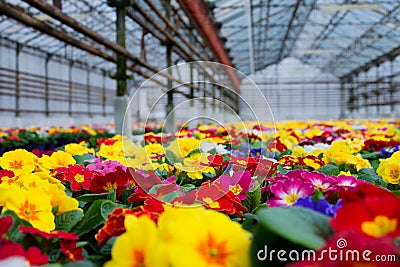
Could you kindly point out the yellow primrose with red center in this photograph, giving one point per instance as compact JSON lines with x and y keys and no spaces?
{"x":78,"y":149}
{"x":389,"y":169}
{"x":195,"y":165}
{"x":358,"y":162}
{"x":19,"y":161}
{"x":56,"y":160}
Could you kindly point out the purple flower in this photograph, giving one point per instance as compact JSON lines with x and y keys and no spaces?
{"x":322,"y":205}
{"x":388,"y":151}
{"x":239,"y":183}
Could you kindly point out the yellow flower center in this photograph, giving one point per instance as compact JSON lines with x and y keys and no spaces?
{"x":79,"y":178}
{"x":236,"y":189}
{"x":380,"y":226}
{"x":16,"y":165}
{"x":243,"y":162}
{"x":211,"y":203}
{"x":290,"y":199}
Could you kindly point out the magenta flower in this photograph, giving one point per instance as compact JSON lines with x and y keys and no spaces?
{"x":287,"y":192}
{"x":104,"y":167}
{"x":239,"y":183}
{"x":320,"y":181}
{"x":347,"y":182}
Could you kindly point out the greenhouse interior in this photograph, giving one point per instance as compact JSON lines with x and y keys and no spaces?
{"x":200,"y":133}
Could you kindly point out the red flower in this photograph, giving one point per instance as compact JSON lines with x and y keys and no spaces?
{"x":69,"y":249}
{"x":106,"y":141}
{"x":79,"y":176}
{"x":48,"y":235}
{"x":370,"y":210}
{"x":5,"y":224}
{"x":215,"y":196}
{"x":33,"y":254}
{"x":114,"y":226}
{"x":113,"y":181}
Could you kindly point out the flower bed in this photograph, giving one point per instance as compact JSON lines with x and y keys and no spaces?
{"x":243,"y":195}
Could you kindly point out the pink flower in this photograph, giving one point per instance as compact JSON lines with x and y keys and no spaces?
{"x":287,"y":192}
{"x":104,"y":167}
{"x":239,"y":183}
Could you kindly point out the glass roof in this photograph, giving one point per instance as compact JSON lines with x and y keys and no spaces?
{"x":336,"y":36}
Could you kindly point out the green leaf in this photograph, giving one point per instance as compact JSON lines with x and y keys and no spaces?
{"x":330,"y":169}
{"x":13,"y":233}
{"x":53,"y":265}
{"x":171,"y":158}
{"x":92,"y":219}
{"x":65,"y":221}
{"x":284,"y":153}
{"x":79,"y":264}
{"x":187,"y":188}
{"x":372,"y":155}
{"x":171,"y":196}
{"x":107,"y":207}
{"x":92,"y":197}
{"x":253,"y":199}
{"x":370,"y":176}
{"x":299,"y":225}
{"x":250,"y":222}
{"x":282,"y":170}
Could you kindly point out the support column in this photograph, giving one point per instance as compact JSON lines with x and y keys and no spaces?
{"x":341,"y":100}
{"x":46,"y":85}
{"x":17,"y":89}
{"x":70,"y":88}
{"x":121,"y":101}
{"x":170,"y":123}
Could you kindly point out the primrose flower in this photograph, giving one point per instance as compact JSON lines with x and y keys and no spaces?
{"x":144,"y":251}
{"x":217,"y":241}
{"x":239,"y":183}
{"x":373,"y":211}
{"x":321,"y":205}
{"x":114,"y":181}
{"x":57,"y":160}
{"x":31,"y":205}
{"x":182,"y":146}
{"x":338,"y":153}
{"x":78,"y":149}
{"x":19,"y":161}
{"x":358,"y":162}
{"x":195,"y":165}
{"x":389,"y":169}
{"x":286,"y":192}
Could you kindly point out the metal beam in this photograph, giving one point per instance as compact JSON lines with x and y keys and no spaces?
{"x":198,"y":13}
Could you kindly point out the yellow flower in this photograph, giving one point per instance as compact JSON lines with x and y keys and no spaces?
{"x":58,"y":198}
{"x":56,"y":160}
{"x":19,"y":161}
{"x":138,"y":246}
{"x":216,"y":241}
{"x":78,"y":149}
{"x":154,"y":149}
{"x":358,"y":162}
{"x":195,"y":165}
{"x":182,"y":146}
{"x":338,"y":153}
{"x":32,"y":205}
{"x":380,"y":226}
{"x":389,"y":169}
